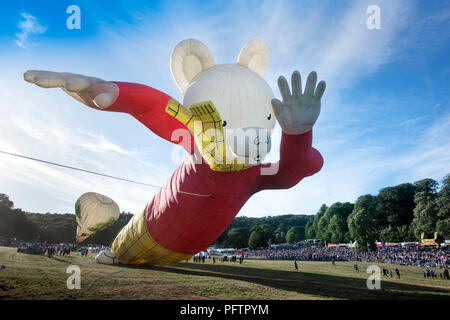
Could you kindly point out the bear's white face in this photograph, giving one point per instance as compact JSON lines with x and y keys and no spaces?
{"x":243,"y":99}
{"x":239,"y":92}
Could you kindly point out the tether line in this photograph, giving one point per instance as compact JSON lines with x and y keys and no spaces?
{"x":96,"y":173}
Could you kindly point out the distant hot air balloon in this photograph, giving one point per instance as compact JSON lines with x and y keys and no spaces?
{"x":94,"y":212}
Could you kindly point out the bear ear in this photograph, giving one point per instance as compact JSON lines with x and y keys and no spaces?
{"x":189,"y":58}
{"x":255,"y":56}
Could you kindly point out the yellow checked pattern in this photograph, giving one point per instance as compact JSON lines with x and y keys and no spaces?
{"x":205,"y":122}
{"x":134,"y":245}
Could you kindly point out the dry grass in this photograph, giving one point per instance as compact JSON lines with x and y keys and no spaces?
{"x":39,"y":277}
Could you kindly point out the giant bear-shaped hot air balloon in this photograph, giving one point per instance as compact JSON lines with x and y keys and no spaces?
{"x":224,"y":124}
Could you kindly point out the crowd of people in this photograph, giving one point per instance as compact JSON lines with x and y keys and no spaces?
{"x":412,"y":256}
{"x":48,"y":249}
{"x":429,"y":273}
{"x":197,"y":258}
{"x":224,"y":258}
{"x":428,"y":257}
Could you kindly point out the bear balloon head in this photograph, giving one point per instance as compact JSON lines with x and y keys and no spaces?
{"x":239,"y":92}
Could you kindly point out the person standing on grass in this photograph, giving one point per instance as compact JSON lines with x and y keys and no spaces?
{"x":397,"y":272}
{"x":295,"y":264}
{"x":446,"y":276}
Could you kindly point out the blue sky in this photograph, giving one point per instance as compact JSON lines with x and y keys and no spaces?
{"x":385,"y":116}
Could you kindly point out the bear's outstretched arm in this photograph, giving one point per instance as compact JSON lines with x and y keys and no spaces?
{"x":297,"y":114}
{"x":148,"y":106}
{"x":143,"y":102}
{"x":298,"y":159}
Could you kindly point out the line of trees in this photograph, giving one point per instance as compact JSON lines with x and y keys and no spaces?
{"x":57,"y":228}
{"x":259,"y":232}
{"x":50,"y":227}
{"x":396,"y":214}
{"x":399,"y":213}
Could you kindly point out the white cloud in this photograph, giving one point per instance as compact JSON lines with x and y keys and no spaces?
{"x":29,"y":26}
{"x":431,"y":156}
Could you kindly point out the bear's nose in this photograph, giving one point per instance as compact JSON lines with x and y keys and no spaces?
{"x":250,"y":145}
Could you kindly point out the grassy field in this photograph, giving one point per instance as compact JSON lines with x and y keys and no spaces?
{"x":39,"y":277}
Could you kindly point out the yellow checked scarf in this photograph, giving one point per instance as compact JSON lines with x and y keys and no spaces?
{"x":204,"y":121}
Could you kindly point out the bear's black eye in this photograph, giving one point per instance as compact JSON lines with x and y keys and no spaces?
{"x":224,"y":123}
{"x":269,"y":117}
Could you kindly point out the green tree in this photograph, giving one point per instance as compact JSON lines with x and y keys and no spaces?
{"x":341,"y":209}
{"x":280,"y":224}
{"x":322,"y":226}
{"x":425,"y":212}
{"x":317,"y":218}
{"x":23,"y":228}
{"x":366,"y":202}
{"x":293,"y":235}
{"x":397,"y":234}
{"x":361,"y":225}
{"x":389,"y":234}
{"x":280,"y":237}
{"x":238,"y":237}
{"x":405,"y":233}
{"x":6,"y":216}
{"x":256,"y":240}
{"x":443,"y":228}
{"x":443,"y":209}
{"x":426,"y":185}
{"x":261,"y":235}
{"x":310,"y":233}
{"x":280,"y":233}
{"x":54,"y":227}
{"x":5,"y":202}
{"x":338,"y":229}
{"x":395,"y":206}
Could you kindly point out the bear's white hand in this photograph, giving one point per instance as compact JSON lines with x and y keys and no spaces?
{"x":298,"y":112}
{"x":93,"y":92}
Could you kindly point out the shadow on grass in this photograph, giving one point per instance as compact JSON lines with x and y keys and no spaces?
{"x":330,"y":286}
{"x":61,"y":260}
